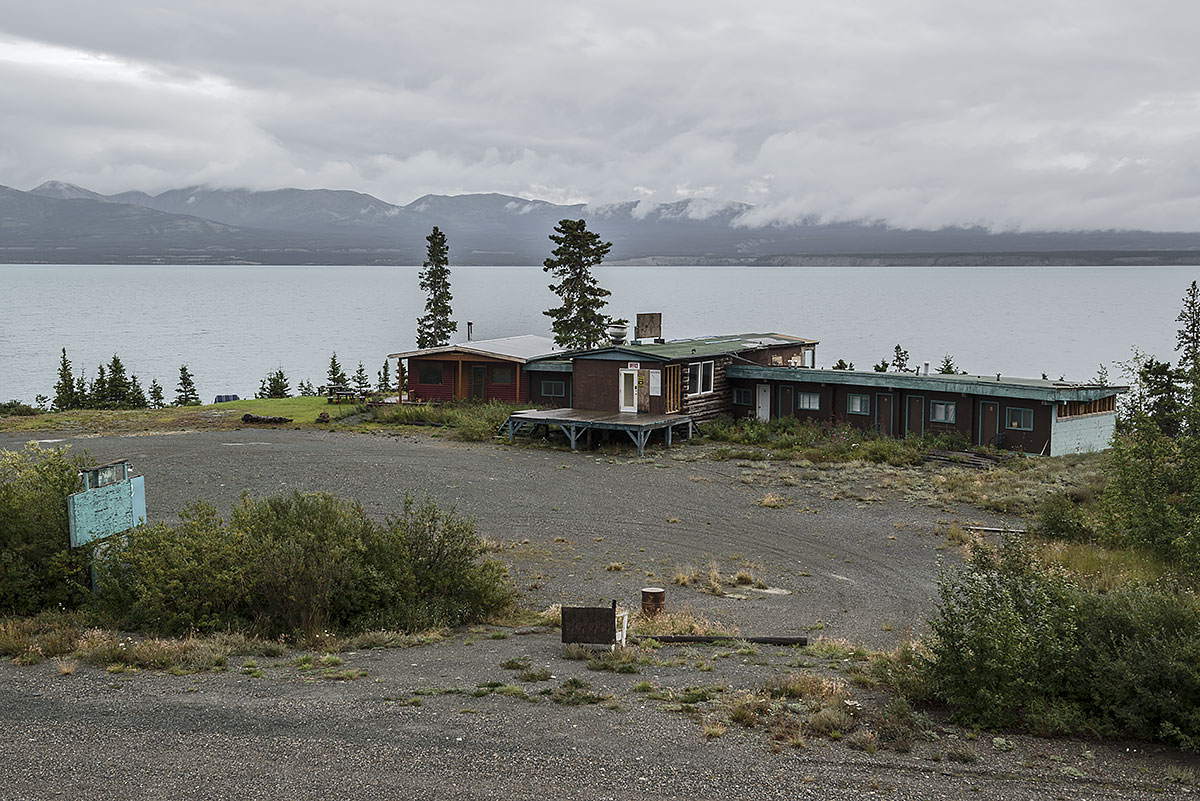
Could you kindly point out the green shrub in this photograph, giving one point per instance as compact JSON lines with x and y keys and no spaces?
{"x":1016,"y":644}
{"x":38,"y":568}
{"x":471,"y":420}
{"x":301,"y":563}
{"x":1057,"y":516}
{"x":14,"y":408}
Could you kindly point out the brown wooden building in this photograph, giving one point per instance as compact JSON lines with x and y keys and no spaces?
{"x":483,"y":369}
{"x":1036,"y":416}
{"x":681,"y":376}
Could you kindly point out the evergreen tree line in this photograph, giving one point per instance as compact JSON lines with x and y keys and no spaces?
{"x":1153,"y":495}
{"x":277,"y":384}
{"x":115,"y":388}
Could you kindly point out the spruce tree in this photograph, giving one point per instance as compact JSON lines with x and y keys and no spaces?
{"x":82,"y":401}
{"x":98,"y":394}
{"x":185,"y":391}
{"x":385,"y":377}
{"x":276,"y":385}
{"x":336,"y":376}
{"x":156,"y":395}
{"x":435,"y":326}
{"x":579,"y":322}
{"x":119,"y":394}
{"x":362,"y":381}
{"x":1188,"y":337}
{"x":65,"y":396}
{"x":947,"y":367}
{"x":305,"y":388}
{"x":137,"y":398}
{"x":900,"y":360}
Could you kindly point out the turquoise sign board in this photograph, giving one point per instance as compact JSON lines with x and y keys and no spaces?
{"x":102,"y":511}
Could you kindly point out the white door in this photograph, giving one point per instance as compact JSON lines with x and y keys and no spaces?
{"x":629,"y":391}
{"x":762,"y":405}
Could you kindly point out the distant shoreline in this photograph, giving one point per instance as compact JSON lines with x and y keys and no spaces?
{"x":367,"y":258}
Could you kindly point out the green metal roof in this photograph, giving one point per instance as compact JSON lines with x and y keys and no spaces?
{"x":991,"y":385}
{"x":697,"y":347}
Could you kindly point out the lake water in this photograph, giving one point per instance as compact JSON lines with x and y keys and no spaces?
{"x":233,"y":324}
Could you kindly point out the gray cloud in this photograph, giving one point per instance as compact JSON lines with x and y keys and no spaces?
{"x":1023,"y":115}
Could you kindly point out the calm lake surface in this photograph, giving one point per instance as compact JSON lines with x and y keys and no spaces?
{"x":233,"y":324}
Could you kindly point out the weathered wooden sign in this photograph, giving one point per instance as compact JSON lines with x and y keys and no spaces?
{"x":111,"y":502}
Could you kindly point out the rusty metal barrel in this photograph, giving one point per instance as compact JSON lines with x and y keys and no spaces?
{"x":654,"y":600}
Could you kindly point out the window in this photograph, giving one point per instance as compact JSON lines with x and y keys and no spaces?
{"x":700,"y":378}
{"x":858,"y":404}
{"x":808,"y":400}
{"x":1019,"y":419}
{"x":554,"y":389}
{"x":742,"y":396}
{"x":501,"y":375}
{"x":941,"y":411}
{"x":429,"y":372}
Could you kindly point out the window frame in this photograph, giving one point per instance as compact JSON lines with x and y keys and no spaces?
{"x":749,"y":396}
{"x":705,"y":369}
{"x":866,"y":410}
{"x":507,"y":370}
{"x":952,"y":406}
{"x":424,"y":366}
{"x":1008,"y":426}
{"x":814,"y":408}
{"x":562,"y":384}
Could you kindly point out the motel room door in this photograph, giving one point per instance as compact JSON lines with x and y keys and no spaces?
{"x":883,"y":413}
{"x":478,"y":382}
{"x":914,"y":421}
{"x":762,"y":402}
{"x":628,"y":390}
{"x":787,"y":400}
{"x":989,"y":422}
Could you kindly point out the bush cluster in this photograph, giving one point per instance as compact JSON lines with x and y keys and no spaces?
{"x":38,"y":569}
{"x":825,"y":442}
{"x":473,"y":421}
{"x":1015,"y":644}
{"x":300,"y":564}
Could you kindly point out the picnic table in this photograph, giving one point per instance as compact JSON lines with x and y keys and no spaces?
{"x":336,"y":394}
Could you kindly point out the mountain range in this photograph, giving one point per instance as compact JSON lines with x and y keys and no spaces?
{"x":58,"y":222}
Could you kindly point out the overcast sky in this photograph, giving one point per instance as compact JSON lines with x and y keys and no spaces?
{"x":1032,"y":115}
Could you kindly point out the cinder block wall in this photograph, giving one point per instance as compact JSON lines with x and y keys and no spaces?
{"x":1083,"y":434}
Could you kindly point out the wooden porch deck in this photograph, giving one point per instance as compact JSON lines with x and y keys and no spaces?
{"x":574,"y":423}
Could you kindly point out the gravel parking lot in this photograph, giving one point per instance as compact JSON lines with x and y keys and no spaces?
{"x":862,"y":567}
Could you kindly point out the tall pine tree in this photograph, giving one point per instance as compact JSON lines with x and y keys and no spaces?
{"x":579,"y":322}
{"x":362,"y":381}
{"x":185,"y":391}
{"x":336,"y":377}
{"x":65,"y":396}
{"x":435,"y":326}
{"x":385,"y":377}
{"x":156,"y":395}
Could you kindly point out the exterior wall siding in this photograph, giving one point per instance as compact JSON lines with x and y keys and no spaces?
{"x":1082,"y":434}
{"x":441,"y":392}
{"x":595,"y":383}
{"x":533,"y":380}
{"x":702,"y":408}
{"x":834,"y":409}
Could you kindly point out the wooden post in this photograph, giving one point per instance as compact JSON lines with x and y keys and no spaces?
{"x":457,"y":393}
{"x":517,"y":367}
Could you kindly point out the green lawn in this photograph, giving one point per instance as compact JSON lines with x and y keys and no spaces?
{"x":303,"y":411}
